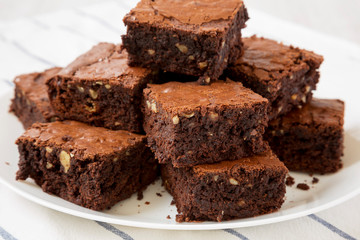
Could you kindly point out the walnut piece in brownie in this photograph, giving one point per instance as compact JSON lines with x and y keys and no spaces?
{"x":197,"y":38}
{"x":310,"y":139}
{"x":99,"y":88}
{"x":227,"y":190}
{"x":93,"y":167}
{"x":188,"y":124}
{"x":31,"y":102}
{"x":285,"y":75}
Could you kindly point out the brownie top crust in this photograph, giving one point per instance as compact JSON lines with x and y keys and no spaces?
{"x":264,"y":160}
{"x":33,"y":85}
{"x":268,"y":59}
{"x":322,"y":112}
{"x":189,"y":14}
{"x":81,"y":138}
{"x":190,"y":95}
{"x":105,"y":61}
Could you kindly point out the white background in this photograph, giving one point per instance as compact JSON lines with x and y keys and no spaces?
{"x":339,"y":18}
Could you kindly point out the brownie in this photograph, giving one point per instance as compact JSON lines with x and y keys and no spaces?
{"x":188,"y":124}
{"x":285,"y":75}
{"x":90,"y":166}
{"x":310,"y":139}
{"x":99,"y":88}
{"x":31,"y":103}
{"x":227,"y":190}
{"x":197,"y":38}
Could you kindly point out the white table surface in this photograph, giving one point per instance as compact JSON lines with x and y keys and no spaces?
{"x":22,"y":219}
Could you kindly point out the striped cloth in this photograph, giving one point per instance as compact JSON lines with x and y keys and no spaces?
{"x":37,"y":43}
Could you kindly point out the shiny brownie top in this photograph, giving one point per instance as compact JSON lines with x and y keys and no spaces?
{"x":80,"y":139}
{"x":177,"y":96}
{"x":105,"y":61}
{"x":264,"y":161}
{"x":33,"y":87}
{"x":318,"y":112}
{"x":266,"y":59}
{"x":206,"y":15}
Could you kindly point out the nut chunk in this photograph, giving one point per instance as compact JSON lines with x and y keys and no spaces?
{"x":197,"y":38}
{"x":90,"y":166}
{"x":285,"y":75}
{"x":227,"y":190}
{"x":189,"y":124}
{"x":31,"y":102}
{"x":99,"y":88}
{"x":310,"y":139}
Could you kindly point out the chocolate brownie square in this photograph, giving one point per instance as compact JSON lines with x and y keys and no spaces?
{"x":285,"y":75}
{"x":188,"y":124}
{"x":197,"y":38}
{"x":310,"y":139}
{"x":227,"y":190}
{"x":31,"y":102}
{"x":99,"y":88}
{"x":90,"y":166}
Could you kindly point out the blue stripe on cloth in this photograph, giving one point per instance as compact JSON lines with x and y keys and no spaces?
{"x":5,"y":235}
{"x":331,"y":227}
{"x":97,"y":19}
{"x":115,"y":230}
{"x":10,"y":83}
{"x":236,"y":234}
{"x":25,"y":51}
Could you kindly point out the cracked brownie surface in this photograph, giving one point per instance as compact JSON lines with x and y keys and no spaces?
{"x":227,"y":190}
{"x":99,"y":88}
{"x":90,"y":166}
{"x":310,"y":139}
{"x":188,"y":37}
{"x":31,"y":102}
{"x":285,"y":75}
{"x":189,"y":124}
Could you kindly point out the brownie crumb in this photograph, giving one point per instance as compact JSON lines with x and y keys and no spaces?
{"x":66,"y":138}
{"x":7,"y":163}
{"x":147,"y":203}
{"x":159,"y":194}
{"x":315,"y":180}
{"x":140,"y":195}
{"x":138,"y":205}
{"x":303,"y":186}
{"x":168,"y":217}
{"x":289,"y":181}
{"x":172,"y":202}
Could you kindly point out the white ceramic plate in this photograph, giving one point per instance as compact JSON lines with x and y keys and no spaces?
{"x":331,"y":190}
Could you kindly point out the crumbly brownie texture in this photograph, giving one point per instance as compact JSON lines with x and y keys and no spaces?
{"x":227,"y":190}
{"x":99,"y":88}
{"x":89,"y":166}
{"x":188,"y":124}
{"x":310,"y":139}
{"x":196,"y":38}
{"x":283,"y":74}
{"x":31,"y":103}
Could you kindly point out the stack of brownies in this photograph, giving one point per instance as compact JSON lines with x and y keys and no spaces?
{"x":217,"y":140}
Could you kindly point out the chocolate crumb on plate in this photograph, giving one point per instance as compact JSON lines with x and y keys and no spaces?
{"x":147,"y":203}
{"x":315,"y":180}
{"x":168,"y":217}
{"x":303,"y":186}
{"x":159,"y":194}
{"x":289,"y":181}
{"x":7,"y":163}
